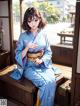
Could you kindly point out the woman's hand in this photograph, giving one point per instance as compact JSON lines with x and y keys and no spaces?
{"x":38,"y":61}
{"x":31,"y":45}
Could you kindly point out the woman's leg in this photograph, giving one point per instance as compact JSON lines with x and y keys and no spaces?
{"x":45,"y":81}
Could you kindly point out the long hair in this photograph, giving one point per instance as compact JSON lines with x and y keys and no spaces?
{"x":29,"y":14}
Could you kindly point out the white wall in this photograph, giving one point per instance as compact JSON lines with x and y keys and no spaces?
{"x":6,"y":39}
{"x":3,"y":8}
{"x":4,"y":16}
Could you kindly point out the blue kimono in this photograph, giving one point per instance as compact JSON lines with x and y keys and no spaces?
{"x":41,"y":75}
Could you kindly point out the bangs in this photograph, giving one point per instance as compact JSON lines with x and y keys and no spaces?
{"x":30,"y":18}
{"x":31,"y":13}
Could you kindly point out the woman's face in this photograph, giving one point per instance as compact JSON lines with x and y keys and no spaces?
{"x":33,"y":23}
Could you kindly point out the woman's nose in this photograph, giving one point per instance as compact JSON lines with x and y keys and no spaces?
{"x":33,"y":22}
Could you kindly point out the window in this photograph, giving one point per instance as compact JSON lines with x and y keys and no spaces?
{"x":57,"y":14}
{"x":16,"y":19}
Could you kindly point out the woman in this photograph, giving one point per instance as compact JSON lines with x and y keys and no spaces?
{"x":33,"y":54}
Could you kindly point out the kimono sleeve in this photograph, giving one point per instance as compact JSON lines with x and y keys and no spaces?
{"x":18,"y":51}
{"x":47,"y":53}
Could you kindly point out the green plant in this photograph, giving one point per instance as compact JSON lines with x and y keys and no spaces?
{"x":50,"y":12}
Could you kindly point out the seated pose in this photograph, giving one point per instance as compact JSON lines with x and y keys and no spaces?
{"x":33,"y":54}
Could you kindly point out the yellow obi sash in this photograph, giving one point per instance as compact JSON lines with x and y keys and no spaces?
{"x":33,"y":56}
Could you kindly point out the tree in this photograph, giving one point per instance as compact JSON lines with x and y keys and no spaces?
{"x":50,"y":12}
{"x":16,"y":10}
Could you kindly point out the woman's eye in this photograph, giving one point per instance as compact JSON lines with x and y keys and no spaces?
{"x":29,"y":21}
{"x":36,"y":20}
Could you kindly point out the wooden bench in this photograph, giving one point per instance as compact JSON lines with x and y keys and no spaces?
{"x":65,"y":70}
{"x":23,"y":91}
